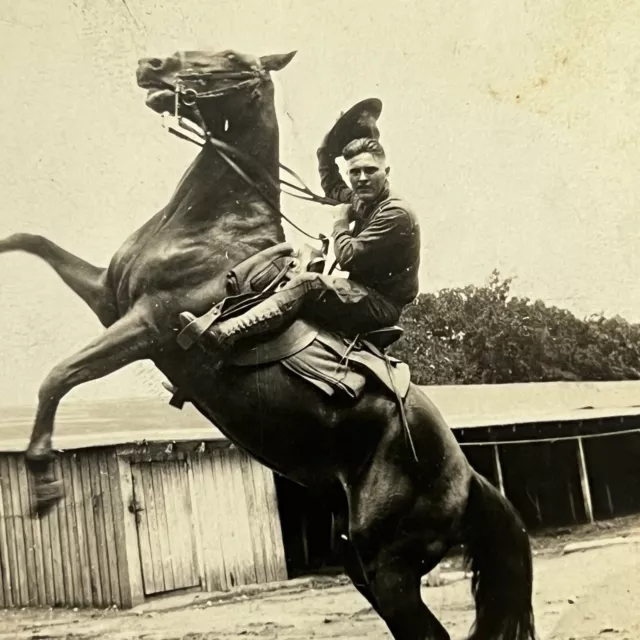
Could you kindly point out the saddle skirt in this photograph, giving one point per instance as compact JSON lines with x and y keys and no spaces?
{"x":330,"y":362}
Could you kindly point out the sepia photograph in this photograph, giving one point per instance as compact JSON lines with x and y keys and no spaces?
{"x":320,"y":320}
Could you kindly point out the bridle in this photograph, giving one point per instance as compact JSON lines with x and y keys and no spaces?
{"x":249,"y":79}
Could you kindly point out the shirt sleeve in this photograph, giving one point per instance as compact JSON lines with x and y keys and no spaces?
{"x":384,"y":234}
{"x":333,"y":185}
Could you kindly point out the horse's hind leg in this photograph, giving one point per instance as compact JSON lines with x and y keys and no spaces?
{"x":126,"y":341}
{"x":401,"y":531}
{"x":84,"y":279}
{"x":352,"y":562}
{"x":394,"y":578}
{"x":394,"y":557}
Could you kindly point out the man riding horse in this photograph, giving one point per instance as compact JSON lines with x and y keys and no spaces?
{"x":381,"y":252}
{"x":400,"y":508}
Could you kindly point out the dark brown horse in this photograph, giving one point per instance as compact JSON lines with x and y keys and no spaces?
{"x":399,"y":516}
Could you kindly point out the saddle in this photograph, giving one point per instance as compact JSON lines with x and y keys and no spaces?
{"x":333,"y":363}
{"x":251,"y":281}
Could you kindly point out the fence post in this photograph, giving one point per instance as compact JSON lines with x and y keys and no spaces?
{"x":498,"y":469}
{"x":584,"y":483}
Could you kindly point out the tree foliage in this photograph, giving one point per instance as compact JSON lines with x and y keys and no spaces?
{"x":474,"y":335}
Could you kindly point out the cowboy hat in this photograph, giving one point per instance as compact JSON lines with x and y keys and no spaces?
{"x":358,"y":122}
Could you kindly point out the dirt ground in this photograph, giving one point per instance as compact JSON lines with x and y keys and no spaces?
{"x":578,"y":596}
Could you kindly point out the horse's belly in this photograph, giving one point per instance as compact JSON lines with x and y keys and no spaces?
{"x":284,"y":422}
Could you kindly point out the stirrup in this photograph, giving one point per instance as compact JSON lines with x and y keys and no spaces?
{"x":193,"y":328}
{"x":178,"y":397}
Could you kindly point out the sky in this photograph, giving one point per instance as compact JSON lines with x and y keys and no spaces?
{"x":512,"y":127}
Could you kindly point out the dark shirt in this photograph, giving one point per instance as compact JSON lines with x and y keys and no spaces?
{"x":383,"y":250}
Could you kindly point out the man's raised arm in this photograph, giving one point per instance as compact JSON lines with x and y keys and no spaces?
{"x":332,"y":183}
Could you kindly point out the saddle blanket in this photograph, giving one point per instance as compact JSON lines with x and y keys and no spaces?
{"x":332,"y":366}
{"x":331,"y":363}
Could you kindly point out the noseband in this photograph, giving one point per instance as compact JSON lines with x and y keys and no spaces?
{"x":249,"y":79}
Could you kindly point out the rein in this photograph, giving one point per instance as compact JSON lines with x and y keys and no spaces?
{"x":202,"y":137}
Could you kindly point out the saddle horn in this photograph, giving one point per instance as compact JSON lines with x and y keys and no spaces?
{"x":360,"y":121}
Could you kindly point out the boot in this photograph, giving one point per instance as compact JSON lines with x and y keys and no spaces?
{"x":269,"y":315}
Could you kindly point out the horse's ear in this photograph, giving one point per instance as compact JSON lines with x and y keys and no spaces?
{"x":277,"y":61}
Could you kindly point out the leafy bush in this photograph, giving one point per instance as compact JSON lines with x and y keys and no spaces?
{"x":475,"y":335}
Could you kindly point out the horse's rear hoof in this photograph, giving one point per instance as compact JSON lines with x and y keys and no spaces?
{"x":40,"y":466}
{"x":47,"y":495}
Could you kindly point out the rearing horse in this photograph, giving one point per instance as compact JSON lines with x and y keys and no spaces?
{"x":399,"y":516}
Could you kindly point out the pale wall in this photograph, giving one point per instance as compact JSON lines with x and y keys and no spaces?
{"x":515,"y":117}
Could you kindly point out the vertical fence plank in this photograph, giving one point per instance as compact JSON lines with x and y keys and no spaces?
{"x":98,"y":509}
{"x":226,"y":550}
{"x":12,"y":554}
{"x":177,"y":526}
{"x":91,"y":530}
{"x":18,"y":525}
{"x":109,"y":528}
{"x":47,"y":560}
{"x":84,"y":564}
{"x":277,"y":548}
{"x":75,"y":597}
{"x":56,"y":550}
{"x":265,"y":516}
{"x":5,"y":577}
{"x":255,"y":513}
{"x":227,"y":528}
{"x":187,"y":549}
{"x":243,"y":517}
{"x":36,"y":531}
{"x":65,"y":548}
{"x":119,"y":515}
{"x":146,"y":561}
{"x":131,"y":580}
{"x":25,"y":516}
{"x":152,"y":524}
{"x":212,"y":537}
{"x":163,"y":552}
{"x":197,"y":506}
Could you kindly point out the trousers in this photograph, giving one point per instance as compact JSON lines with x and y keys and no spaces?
{"x":335,"y":303}
{"x":340,"y":304}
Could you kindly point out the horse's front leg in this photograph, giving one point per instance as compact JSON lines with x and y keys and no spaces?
{"x":84,"y":279}
{"x":129,"y":339}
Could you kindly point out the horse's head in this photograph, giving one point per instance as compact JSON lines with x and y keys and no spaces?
{"x":217,"y":86}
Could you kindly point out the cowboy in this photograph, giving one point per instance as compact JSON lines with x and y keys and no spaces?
{"x":376,"y":240}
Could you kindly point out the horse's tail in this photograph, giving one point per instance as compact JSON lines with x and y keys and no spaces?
{"x":499,"y":554}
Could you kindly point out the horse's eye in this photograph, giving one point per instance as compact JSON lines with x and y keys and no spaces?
{"x":231,"y":56}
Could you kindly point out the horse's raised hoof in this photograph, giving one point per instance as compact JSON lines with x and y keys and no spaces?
{"x":46,"y":496}
{"x":39,"y":453}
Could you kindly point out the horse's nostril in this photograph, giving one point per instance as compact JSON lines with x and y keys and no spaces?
{"x":155,"y":63}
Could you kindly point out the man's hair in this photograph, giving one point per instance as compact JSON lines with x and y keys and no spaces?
{"x":363,"y":145}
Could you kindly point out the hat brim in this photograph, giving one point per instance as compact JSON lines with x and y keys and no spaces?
{"x":357,"y":122}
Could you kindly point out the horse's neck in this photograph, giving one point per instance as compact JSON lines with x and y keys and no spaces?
{"x":211,"y":189}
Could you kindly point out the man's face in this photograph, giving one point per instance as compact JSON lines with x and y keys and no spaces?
{"x":367,"y":175}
